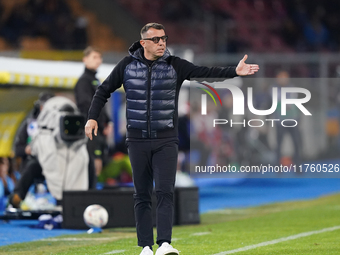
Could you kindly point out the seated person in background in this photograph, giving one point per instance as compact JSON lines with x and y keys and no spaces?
{"x":30,"y":168}
{"x":7,"y":180}
{"x":31,"y":173}
{"x":59,"y":151}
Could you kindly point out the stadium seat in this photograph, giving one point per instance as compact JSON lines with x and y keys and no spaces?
{"x":3,"y":44}
{"x":99,"y":34}
{"x":37,"y":43}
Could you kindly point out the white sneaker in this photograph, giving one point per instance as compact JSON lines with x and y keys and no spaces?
{"x":166,"y":249}
{"x":146,"y":251}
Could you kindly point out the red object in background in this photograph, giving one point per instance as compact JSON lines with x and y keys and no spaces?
{"x":111,"y":182}
{"x":286,"y":161}
{"x":125,"y":177}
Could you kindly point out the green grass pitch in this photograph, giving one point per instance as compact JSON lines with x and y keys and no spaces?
{"x":220,"y":231}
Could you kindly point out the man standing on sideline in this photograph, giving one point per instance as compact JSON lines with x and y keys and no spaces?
{"x":152,"y":79}
{"x":84,"y":91}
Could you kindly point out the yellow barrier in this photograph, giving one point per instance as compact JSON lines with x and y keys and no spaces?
{"x":37,"y":80}
{"x":9,"y":123}
{"x":52,"y":55}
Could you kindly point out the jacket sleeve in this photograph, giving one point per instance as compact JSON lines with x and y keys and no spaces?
{"x":187,"y":70}
{"x":83,"y":93}
{"x":103,"y":92}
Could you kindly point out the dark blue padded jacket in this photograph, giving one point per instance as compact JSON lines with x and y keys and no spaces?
{"x":151,"y":91}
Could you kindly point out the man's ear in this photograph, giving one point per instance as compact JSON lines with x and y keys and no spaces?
{"x":142,"y":42}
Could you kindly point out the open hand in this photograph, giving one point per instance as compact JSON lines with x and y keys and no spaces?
{"x":244,"y":69}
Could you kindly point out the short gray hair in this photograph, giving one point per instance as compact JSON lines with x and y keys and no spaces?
{"x":151,"y":25}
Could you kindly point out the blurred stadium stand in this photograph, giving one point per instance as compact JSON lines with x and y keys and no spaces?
{"x":251,"y":25}
{"x":53,"y":24}
{"x":224,"y":26}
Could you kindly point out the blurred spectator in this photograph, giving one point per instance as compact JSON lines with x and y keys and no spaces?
{"x":233,"y":142}
{"x":263,"y":101}
{"x":206,"y":139}
{"x":316,"y":34}
{"x":7,"y":180}
{"x":84,"y":91}
{"x":199,"y":151}
{"x":292,"y":112}
{"x":80,"y":32}
{"x":7,"y":176}
{"x":184,"y":139}
{"x":32,"y":173}
{"x":229,"y":135}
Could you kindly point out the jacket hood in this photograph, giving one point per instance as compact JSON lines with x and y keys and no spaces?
{"x":136,"y":50}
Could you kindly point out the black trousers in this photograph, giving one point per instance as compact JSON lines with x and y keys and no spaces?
{"x":153,"y":159}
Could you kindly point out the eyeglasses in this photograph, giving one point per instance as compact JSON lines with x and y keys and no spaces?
{"x":156,"y":38}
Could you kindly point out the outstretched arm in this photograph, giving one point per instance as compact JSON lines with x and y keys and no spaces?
{"x":244,"y":69}
{"x":188,"y":71}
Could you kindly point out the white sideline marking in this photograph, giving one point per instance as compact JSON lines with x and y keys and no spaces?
{"x":115,"y":252}
{"x":175,"y":239}
{"x":275,"y":241}
{"x":201,"y":234}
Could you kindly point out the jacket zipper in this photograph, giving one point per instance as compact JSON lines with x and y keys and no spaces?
{"x":149,"y":103}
